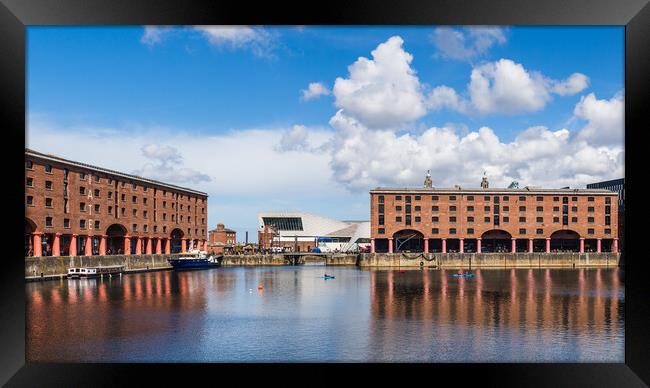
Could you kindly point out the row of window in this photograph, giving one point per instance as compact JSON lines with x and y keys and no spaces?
{"x":470,"y":231}
{"x":66,"y":223}
{"x":488,"y":219}
{"x":488,"y":198}
{"x":470,"y":208}
{"x":82,"y":176}
{"x":134,"y":228}
{"x":97,"y":225}
{"x":82,"y":191}
{"x":97,"y":209}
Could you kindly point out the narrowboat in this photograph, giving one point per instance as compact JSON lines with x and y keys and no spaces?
{"x":94,"y":272}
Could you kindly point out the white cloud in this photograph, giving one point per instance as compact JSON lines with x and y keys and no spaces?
{"x":446,"y":97}
{"x":382,"y":92}
{"x":238,"y":163}
{"x":363,"y":158}
{"x":605,"y":119}
{"x":505,"y":87}
{"x":257,"y":39}
{"x":164,"y":154}
{"x":576,"y":83}
{"x":118,"y":149}
{"x":467,"y":43}
{"x":177,"y":175}
{"x":168,"y":166}
{"x":153,"y":35}
{"x":294,"y":139}
{"x":315,"y":90}
{"x":366,"y":150}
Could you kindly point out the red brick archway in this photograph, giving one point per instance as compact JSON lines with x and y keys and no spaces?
{"x":565,"y":240}
{"x":496,"y":240}
{"x":115,"y":235}
{"x":408,"y":240}
{"x":177,"y":241}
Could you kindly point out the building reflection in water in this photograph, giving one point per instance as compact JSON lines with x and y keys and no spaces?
{"x":110,"y":307}
{"x":524,"y":311}
{"x":531,"y":315}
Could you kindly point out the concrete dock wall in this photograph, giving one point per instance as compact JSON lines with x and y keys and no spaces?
{"x":48,"y":266}
{"x":55,"y":267}
{"x":247,"y":260}
{"x":494,"y":260}
{"x":341,"y":259}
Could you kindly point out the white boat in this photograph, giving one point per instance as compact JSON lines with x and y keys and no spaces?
{"x":93,"y":272}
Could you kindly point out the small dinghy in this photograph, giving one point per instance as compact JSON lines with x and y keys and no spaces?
{"x":463,"y":275}
{"x":326,"y":276}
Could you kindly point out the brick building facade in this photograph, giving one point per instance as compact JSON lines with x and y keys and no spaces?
{"x":221,"y":239}
{"x":493,"y":220}
{"x":268,"y":239}
{"x":73,"y":208}
{"x":265,"y":237}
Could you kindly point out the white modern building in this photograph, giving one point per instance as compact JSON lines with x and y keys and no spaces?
{"x":300,"y":231}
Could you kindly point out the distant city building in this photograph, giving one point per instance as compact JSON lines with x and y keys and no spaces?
{"x":617,"y":185}
{"x":529,"y":219}
{"x":301,"y":232}
{"x":75,"y":209}
{"x":221,"y":239}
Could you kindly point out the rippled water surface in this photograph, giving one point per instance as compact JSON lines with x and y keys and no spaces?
{"x":500,"y":315}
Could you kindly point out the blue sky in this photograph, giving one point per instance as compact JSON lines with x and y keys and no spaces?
{"x":186,"y":104}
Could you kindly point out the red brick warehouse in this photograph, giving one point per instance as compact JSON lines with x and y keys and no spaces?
{"x":493,"y":220}
{"x":221,"y":239}
{"x":73,"y":208}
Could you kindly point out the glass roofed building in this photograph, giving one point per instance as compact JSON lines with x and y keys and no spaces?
{"x":302,"y":232}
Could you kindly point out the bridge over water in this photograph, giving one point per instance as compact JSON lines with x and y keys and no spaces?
{"x":298,"y":258}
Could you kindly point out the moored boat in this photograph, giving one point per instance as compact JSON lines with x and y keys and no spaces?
{"x":93,"y":272}
{"x":197,"y":260}
{"x":463,"y":275}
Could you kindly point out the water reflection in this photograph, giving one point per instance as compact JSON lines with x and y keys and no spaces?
{"x":499,"y":315}
{"x":363,"y":315}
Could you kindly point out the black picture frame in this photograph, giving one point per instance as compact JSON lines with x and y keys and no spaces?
{"x":15,"y":15}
